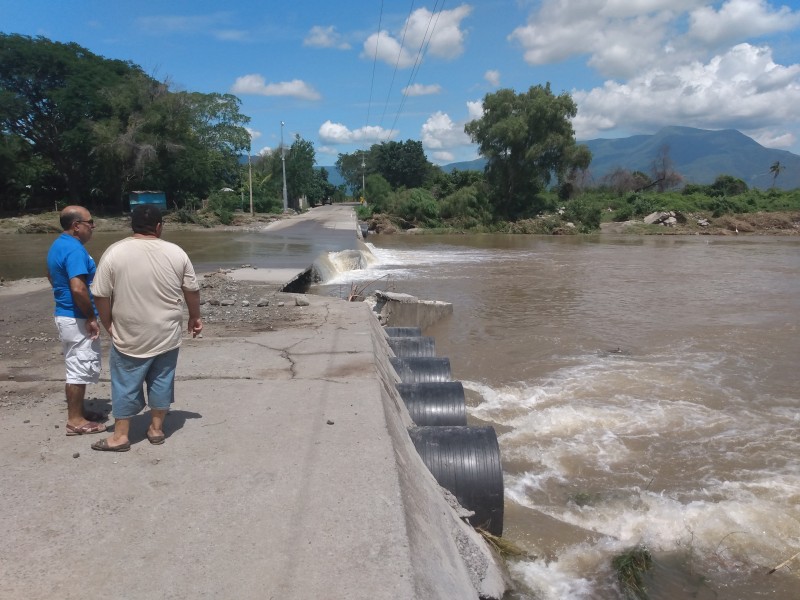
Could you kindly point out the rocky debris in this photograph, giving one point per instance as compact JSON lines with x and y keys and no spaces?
{"x":667,"y":218}
{"x":241,"y":305}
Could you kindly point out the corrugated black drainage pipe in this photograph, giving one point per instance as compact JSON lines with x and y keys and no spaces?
{"x":422,"y":370}
{"x":466,"y":461}
{"x":415,"y":345}
{"x":437,"y":404}
{"x":402,"y":331}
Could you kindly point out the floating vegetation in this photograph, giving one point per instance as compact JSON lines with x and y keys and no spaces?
{"x":503,"y":547}
{"x":630,"y":567}
{"x":582,"y":499}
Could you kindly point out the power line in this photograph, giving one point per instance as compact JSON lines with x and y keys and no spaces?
{"x":423,"y":49}
{"x":396,"y":63}
{"x":374,"y":63}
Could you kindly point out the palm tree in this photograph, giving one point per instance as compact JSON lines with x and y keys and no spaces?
{"x":776,"y":169}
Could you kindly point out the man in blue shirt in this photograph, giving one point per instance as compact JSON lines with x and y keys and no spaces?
{"x":70,"y":270}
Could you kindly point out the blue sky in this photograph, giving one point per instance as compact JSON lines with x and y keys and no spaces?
{"x":345,"y":74}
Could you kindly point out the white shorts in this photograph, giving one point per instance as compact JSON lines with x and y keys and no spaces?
{"x":81,"y":353}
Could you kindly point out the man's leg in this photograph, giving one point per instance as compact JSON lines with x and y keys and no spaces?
{"x":160,"y":392}
{"x":82,"y":364}
{"x":155,"y":432}
{"x":75,"y":393}
{"x":120,"y":435}
{"x":127,"y":396}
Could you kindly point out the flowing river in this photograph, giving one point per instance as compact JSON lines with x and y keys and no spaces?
{"x":645,"y":392}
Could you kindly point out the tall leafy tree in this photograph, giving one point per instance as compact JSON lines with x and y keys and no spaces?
{"x":527,"y":139}
{"x":301,"y":177}
{"x":351,"y":170}
{"x":50,"y":96}
{"x":101,"y":128}
{"x":402,"y":164}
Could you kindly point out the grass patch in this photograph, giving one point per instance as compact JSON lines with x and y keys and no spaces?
{"x":630,"y":568}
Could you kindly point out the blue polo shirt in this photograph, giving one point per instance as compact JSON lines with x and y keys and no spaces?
{"x":66,"y":259}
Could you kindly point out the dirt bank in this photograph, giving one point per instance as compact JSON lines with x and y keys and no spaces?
{"x":48,"y":222}
{"x":760,"y":223}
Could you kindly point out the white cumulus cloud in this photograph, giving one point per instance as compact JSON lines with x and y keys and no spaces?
{"x":325,"y":37}
{"x":439,"y":34}
{"x":336,"y":133}
{"x":443,"y":156}
{"x":255,"y":84}
{"x":418,"y":89}
{"x":742,"y":88}
{"x":442,"y":137}
{"x":493,"y":77}
{"x":740,"y":19}
{"x":666,"y":62}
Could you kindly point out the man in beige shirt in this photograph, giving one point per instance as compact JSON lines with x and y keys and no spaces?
{"x":139,"y":289}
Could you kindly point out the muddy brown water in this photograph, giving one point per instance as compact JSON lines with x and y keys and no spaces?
{"x":644,"y":390}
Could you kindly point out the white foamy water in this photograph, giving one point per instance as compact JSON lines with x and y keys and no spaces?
{"x":644,"y":392}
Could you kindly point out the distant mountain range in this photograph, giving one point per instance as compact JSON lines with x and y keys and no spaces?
{"x":699,"y":155}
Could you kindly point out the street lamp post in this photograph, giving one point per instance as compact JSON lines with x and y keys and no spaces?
{"x":283,"y":167}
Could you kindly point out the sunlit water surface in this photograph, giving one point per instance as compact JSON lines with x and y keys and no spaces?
{"x":644,"y":390}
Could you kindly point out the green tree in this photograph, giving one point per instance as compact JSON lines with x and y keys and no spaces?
{"x":527,"y":139}
{"x":377,"y":192}
{"x":50,"y":96}
{"x":351,"y":170}
{"x":101,"y":128}
{"x":727,"y":185}
{"x":402,"y":164}
{"x":301,"y":177}
{"x":776,"y":169}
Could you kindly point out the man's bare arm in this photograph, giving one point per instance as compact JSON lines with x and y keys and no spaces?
{"x":80,"y":295}
{"x":104,"y":310}
{"x":195,"y":325}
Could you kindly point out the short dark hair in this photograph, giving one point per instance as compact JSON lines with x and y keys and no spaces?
{"x":144,"y":219}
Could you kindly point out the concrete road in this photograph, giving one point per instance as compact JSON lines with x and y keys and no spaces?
{"x":287,"y":473}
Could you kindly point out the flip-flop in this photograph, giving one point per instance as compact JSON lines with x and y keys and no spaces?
{"x":103,"y":446}
{"x":90,"y":427}
{"x":156,"y":440}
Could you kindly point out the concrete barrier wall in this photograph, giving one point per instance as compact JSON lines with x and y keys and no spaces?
{"x":404,"y":310}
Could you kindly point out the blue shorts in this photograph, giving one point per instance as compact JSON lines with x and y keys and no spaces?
{"x":128,"y":376}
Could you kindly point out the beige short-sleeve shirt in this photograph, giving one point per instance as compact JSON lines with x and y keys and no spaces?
{"x":145,"y":279}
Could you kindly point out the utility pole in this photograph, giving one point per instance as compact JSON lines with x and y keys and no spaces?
{"x":250,"y":180}
{"x":363,"y":171}
{"x":283,"y":167}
